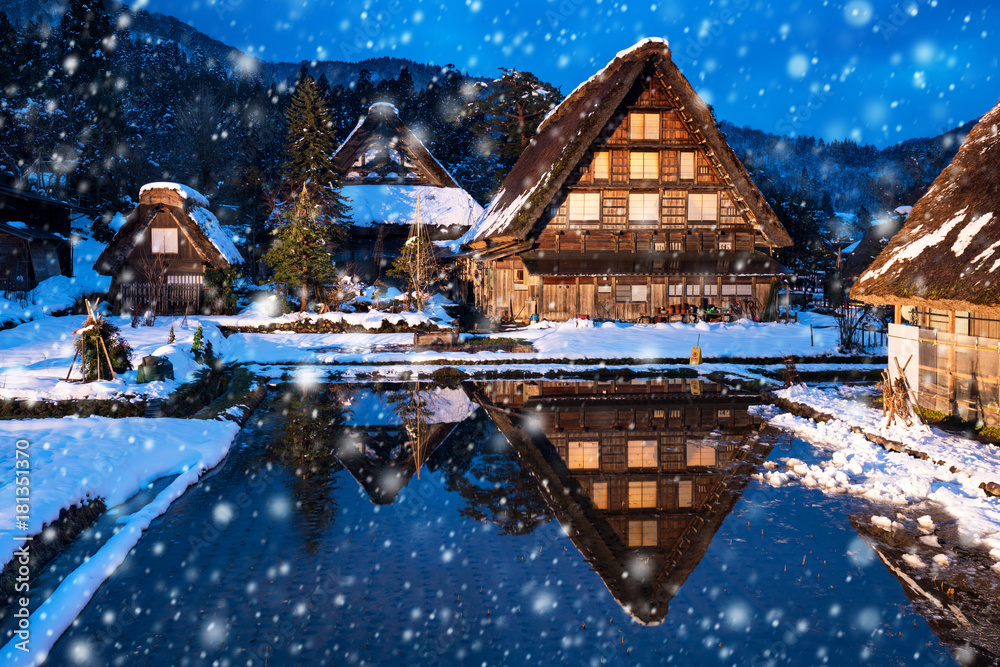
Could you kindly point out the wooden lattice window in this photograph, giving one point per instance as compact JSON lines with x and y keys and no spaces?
{"x":642,"y":495}
{"x":642,"y":533}
{"x":164,"y":240}
{"x":644,"y":126}
{"x":585,"y":455}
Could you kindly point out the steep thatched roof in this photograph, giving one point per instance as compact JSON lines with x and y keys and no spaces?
{"x":947,"y":256}
{"x":186,"y":207}
{"x":871,"y":244}
{"x":383,"y":122}
{"x":567,"y":133}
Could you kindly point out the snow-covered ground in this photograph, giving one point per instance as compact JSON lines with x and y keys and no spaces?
{"x":73,"y":460}
{"x":858,"y":466}
{"x":35,"y":357}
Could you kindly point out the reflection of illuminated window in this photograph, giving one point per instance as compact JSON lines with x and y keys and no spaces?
{"x":583,"y":456}
{"x":642,"y":453}
{"x":700,"y":454}
{"x":685,"y":493}
{"x":642,"y":533}
{"x":642,"y":494}
{"x":599,"y":496}
{"x":675,"y":413}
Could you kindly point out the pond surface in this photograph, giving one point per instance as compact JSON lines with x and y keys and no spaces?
{"x":515,"y":523}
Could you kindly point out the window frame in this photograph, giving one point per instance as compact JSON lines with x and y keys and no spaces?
{"x":642,"y":494}
{"x":582,"y":447}
{"x":646,"y":455}
{"x":602,"y":165}
{"x":645,"y":134}
{"x":696,"y":202}
{"x":644,"y":158}
{"x":686,"y":156}
{"x":585,"y":204}
{"x":645,"y":207}
{"x":162,"y":238}
{"x":599,"y":495}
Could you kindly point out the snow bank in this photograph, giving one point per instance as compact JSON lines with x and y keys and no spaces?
{"x":67,"y":468}
{"x":73,"y":460}
{"x":184,"y":191}
{"x":859,"y":467}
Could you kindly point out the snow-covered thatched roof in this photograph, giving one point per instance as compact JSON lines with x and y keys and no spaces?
{"x":565,"y":135}
{"x":947,"y":256}
{"x":188,"y":208}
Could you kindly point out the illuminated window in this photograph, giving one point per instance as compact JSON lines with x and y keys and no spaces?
{"x":584,"y":456}
{"x":585,"y":206}
{"x":744,"y":290}
{"x":642,"y":453}
{"x":643,"y":165}
{"x":700,"y":454}
{"x":644,"y":207}
{"x":642,"y":533}
{"x":694,"y":290}
{"x":711,"y":290}
{"x":687,"y":166}
{"x":725,"y":245}
{"x":644,"y":126}
{"x":675,"y":289}
{"x":164,"y":240}
{"x":642,"y":494}
{"x":729,"y":290}
{"x":685,"y":493}
{"x":703,"y":207}
{"x":601,"y":169}
{"x":599,"y":496}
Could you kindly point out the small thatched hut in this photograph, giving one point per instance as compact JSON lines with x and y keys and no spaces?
{"x":628,"y":203}
{"x":34,"y":240}
{"x":942,"y":273}
{"x":158,"y":258}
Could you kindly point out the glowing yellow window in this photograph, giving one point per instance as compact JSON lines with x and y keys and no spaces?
{"x":642,"y":494}
{"x":644,"y":126}
{"x":642,"y":453}
{"x":584,"y":456}
{"x":643,"y":165}
{"x":601,"y":168}
{"x":599,"y":495}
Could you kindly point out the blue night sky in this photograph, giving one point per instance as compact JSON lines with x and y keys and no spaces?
{"x":877,"y":72}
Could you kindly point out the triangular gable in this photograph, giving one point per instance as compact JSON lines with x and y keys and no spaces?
{"x":383,"y":121}
{"x":566,"y":135}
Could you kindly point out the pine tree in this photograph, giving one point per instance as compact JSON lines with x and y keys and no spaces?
{"x":309,"y":148}
{"x":198,"y":344}
{"x":300,"y":254}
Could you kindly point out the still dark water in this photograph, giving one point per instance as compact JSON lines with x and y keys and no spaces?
{"x":551,"y":523}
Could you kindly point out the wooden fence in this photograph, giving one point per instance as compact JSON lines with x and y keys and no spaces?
{"x":162,"y":299}
{"x":951,"y":373}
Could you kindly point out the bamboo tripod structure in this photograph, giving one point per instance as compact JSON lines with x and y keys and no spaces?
{"x":93,"y":321}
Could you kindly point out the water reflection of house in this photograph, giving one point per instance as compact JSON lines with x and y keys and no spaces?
{"x":643,"y":473}
{"x":391,"y":433}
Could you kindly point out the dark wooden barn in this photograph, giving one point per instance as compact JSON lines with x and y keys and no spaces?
{"x":641,"y":473}
{"x":158,"y":258}
{"x":627,"y":204}
{"x":34,"y":240}
{"x":942,"y":274}
{"x":385,"y":169}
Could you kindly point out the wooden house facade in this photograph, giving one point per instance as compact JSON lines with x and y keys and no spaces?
{"x":158,"y":258}
{"x":627,"y":204}
{"x":385,"y":171}
{"x":941,"y":272}
{"x":642,"y":473}
{"x":34,"y":240}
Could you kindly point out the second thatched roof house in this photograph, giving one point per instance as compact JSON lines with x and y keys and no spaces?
{"x":158,"y":258}
{"x":627,"y":204}
{"x":942,"y":273}
{"x":386,"y":169}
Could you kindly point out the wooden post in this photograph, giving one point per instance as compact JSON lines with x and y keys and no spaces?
{"x":909,"y":390}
